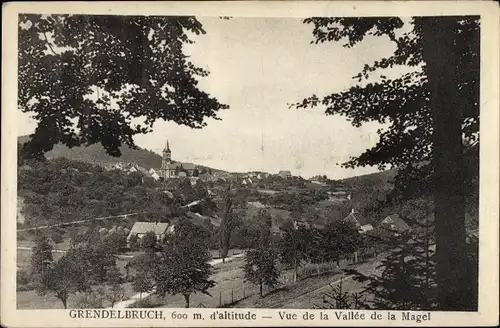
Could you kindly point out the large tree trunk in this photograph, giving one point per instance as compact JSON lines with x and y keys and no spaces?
{"x":441,"y":62}
{"x":186,"y":298}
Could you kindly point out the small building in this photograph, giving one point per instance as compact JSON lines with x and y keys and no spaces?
{"x":285,"y":174}
{"x":155,"y":176}
{"x":140,"y":229}
{"x":394,"y":223}
{"x":359,"y":222}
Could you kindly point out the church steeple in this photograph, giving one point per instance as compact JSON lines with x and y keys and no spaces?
{"x":167,"y":154}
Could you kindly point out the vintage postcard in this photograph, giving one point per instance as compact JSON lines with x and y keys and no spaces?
{"x":268,"y":163}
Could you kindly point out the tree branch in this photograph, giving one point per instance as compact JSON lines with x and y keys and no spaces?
{"x":49,"y":44}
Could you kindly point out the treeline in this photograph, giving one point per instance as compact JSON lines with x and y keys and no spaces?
{"x":61,"y":190}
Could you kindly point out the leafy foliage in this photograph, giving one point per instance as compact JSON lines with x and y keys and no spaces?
{"x":149,"y":241}
{"x":183,"y":266}
{"x":261,"y":268}
{"x":59,"y":190}
{"x":432,"y":119}
{"x":295,"y":247}
{"x":68,"y":75}
{"x":64,"y":277}
{"x":336,"y":240}
{"x":401,"y":103}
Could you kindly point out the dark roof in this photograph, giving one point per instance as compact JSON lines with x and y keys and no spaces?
{"x":186,"y":166}
{"x":395,"y":221}
{"x":284,"y":173}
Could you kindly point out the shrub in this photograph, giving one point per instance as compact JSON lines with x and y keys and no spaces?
{"x":23,"y":277}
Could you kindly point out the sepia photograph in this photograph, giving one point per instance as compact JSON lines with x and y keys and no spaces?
{"x":227,"y":162}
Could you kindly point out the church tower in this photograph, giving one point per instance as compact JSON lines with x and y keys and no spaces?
{"x":167,"y":154}
{"x":165,"y":161}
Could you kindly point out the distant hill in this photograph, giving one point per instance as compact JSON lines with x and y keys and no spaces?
{"x":381,"y":180}
{"x":96,"y":153}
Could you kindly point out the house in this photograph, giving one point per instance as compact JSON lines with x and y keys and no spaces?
{"x":262,"y":176}
{"x":155,"y":176}
{"x":193,"y":180}
{"x":285,"y":174}
{"x":359,"y":222}
{"x":394,"y":223}
{"x":140,"y":229}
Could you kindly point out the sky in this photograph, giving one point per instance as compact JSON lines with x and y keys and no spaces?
{"x":258,"y":66}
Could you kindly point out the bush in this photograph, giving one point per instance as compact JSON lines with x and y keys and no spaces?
{"x":90,"y":300}
{"x":25,"y":288}
{"x":23,"y":277}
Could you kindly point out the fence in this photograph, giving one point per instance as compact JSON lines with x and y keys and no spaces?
{"x":234,"y":295}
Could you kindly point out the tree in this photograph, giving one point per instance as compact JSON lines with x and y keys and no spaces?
{"x":114,"y":293}
{"x":65,"y":277}
{"x":338,"y":239}
{"x":338,"y":298}
{"x":134,"y":242}
{"x":95,"y":256}
{"x":260,"y":268}
{"x":143,"y":283}
{"x":406,"y":280}
{"x":264,"y":222}
{"x":294,"y":247}
{"x":148,"y":242}
{"x":116,"y":242}
{"x":229,"y":222}
{"x":41,"y":256}
{"x":433,"y":111}
{"x":156,"y":81}
{"x":183,"y":265}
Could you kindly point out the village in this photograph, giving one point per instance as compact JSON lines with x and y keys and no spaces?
{"x":247,"y":162}
{"x":288,"y":203}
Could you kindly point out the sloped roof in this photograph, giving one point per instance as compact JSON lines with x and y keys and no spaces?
{"x":283,"y":172}
{"x":366,"y":228}
{"x":356,"y":218}
{"x":145,"y":227}
{"x":397,"y":221}
{"x":186,"y":166}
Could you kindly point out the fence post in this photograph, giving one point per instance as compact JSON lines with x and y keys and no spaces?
{"x":243,"y":290}
{"x":232,"y":296}
{"x":220,"y":298}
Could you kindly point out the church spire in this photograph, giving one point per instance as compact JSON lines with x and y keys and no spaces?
{"x":167,"y":146}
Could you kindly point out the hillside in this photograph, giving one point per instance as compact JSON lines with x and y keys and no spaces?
{"x":96,"y":153}
{"x":381,"y":179}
